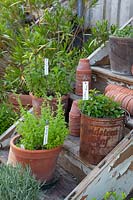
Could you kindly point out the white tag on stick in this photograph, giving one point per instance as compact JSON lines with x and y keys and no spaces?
{"x":45,"y":140}
{"x":22,"y":146}
{"x":46,"y":66}
{"x":85,"y":90}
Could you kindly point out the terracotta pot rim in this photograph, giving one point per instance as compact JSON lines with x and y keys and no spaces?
{"x":31,"y":151}
{"x":42,"y":98}
{"x":120,"y":38}
{"x":103,"y":119}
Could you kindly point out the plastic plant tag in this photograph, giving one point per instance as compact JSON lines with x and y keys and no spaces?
{"x":22,"y":146}
{"x":45,"y":139}
{"x":85,"y":90}
{"x":46,"y":66}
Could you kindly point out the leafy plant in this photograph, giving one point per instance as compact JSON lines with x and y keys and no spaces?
{"x":113,"y":196}
{"x":7,"y":117}
{"x":100,"y":106}
{"x":32,"y":128}
{"x":125,"y":32}
{"x":100,"y":34}
{"x":17,"y":183}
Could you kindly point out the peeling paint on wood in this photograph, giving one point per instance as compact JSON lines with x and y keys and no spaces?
{"x":115,"y":174}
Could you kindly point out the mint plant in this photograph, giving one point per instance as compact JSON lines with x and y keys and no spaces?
{"x":32,"y":128}
{"x":100,"y":106}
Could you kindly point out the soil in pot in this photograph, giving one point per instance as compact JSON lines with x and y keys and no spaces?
{"x":41,"y":162}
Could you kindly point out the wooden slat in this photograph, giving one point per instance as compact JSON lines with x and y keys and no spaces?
{"x":86,"y":187}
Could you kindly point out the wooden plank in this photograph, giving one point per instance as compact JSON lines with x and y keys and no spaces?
{"x":108,"y":10}
{"x":97,"y":12}
{"x":111,"y":173}
{"x":124,"y":11}
{"x":108,"y":74}
{"x":114,"y":12}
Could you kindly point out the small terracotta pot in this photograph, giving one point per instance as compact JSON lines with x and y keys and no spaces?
{"x":25,"y":100}
{"x":83,"y":73}
{"x":37,"y":103}
{"x":111,"y":87}
{"x":74,"y":119}
{"x":41,"y":162}
{"x":111,"y":94}
{"x":120,"y":97}
{"x":130,"y":106}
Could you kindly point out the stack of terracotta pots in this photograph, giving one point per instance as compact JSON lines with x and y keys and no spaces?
{"x":83,"y":73}
{"x":74,"y":119}
{"x":122,"y":95}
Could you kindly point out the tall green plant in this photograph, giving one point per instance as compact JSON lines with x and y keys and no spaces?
{"x":32,"y":128}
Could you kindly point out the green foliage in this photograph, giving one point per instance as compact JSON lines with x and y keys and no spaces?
{"x":114,"y":196}
{"x":17,"y":183}
{"x":100,"y":106}
{"x":32,"y":128}
{"x":125,"y":32}
{"x":7,"y":117}
{"x":100,"y":34}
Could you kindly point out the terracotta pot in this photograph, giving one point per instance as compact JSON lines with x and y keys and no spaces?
{"x":98,"y":137}
{"x":26,"y":101}
{"x":37,"y":103}
{"x":120,"y":97}
{"x":83,"y":73}
{"x":127,"y":103}
{"x":112,"y":87}
{"x":74,"y":119}
{"x":130,"y":106}
{"x":111,"y":94}
{"x":41,"y":162}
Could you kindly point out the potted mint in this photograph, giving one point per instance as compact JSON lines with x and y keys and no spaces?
{"x":101,"y":128}
{"x":39,"y":141}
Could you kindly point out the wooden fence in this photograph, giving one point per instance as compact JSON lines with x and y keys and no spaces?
{"x":115,"y":11}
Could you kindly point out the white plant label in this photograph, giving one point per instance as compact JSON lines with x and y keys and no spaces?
{"x":22,"y":146}
{"x":45,"y":140}
{"x":46,"y":66}
{"x":85,"y":90}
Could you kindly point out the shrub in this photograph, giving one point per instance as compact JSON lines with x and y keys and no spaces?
{"x":17,"y":184}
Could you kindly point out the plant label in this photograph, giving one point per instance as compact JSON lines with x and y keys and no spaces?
{"x":45,"y":140}
{"x":22,"y":146}
{"x":85,"y":90}
{"x":46,"y":67}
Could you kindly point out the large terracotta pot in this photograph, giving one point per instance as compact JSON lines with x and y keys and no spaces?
{"x":37,"y":103}
{"x":41,"y":162}
{"x":98,"y":136}
{"x":25,"y":100}
{"x":83,"y":73}
{"x":74,"y":119}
